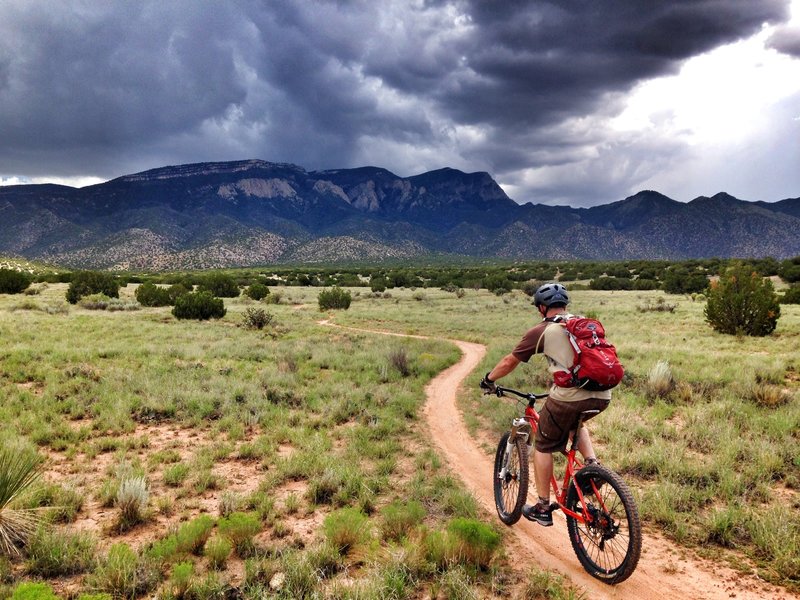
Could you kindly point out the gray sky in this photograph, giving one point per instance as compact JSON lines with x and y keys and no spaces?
{"x":578,"y":102}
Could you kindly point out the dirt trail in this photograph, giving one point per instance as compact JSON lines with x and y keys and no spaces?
{"x":665,"y":571}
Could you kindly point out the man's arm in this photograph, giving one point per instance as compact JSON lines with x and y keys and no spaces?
{"x":507,"y":364}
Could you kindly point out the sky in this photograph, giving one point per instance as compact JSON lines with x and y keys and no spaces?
{"x":577,"y":102}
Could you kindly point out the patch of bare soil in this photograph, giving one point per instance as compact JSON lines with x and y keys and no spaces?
{"x":665,"y":571}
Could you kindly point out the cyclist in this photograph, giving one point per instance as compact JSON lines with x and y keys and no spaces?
{"x":559,"y":415}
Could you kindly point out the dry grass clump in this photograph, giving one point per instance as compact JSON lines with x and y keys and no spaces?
{"x":660,"y":381}
{"x":131,"y":499}
{"x":767,"y":395}
{"x":660,"y":305}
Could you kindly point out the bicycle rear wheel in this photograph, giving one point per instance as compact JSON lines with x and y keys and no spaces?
{"x":609,"y":544}
{"x":510,"y":479}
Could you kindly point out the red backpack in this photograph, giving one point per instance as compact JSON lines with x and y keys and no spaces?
{"x":596,"y":366}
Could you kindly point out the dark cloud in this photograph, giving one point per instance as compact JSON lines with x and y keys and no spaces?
{"x":786,"y":40}
{"x":98,"y":88}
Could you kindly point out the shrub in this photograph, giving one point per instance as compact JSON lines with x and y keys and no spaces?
{"x":346,"y":528}
{"x":149,"y":294}
{"x":181,"y":579}
{"x":85,"y":283}
{"x":335,"y":297}
{"x":124,"y":574}
{"x":742,"y":302}
{"x":219,"y":285}
{"x":399,"y":360}
{"x":175,"y":475}
{"x":217,"y":550}
{"x":240,"y":528}
{"x":198,"y":305}
{"x":400,"y":518}
{"x":256,"y":318}
{"x":178,"y":290}
{"x":18,"y":470}
{"x":131,"y":499}
{"x":34,"y":591}
{"x":54,"y":553}
{"x":192,"y":536}
{"x":257,"y":291}
{"x":13,"y":281}
{"x":792,"y":295}
{"x":767,"y":395}
{"x":475,"y":542}
{"x":681,"y":280}
{"x":659,"y":380}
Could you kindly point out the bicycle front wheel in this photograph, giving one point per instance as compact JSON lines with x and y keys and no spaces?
{"x":609,"y":542}
{"x":510,"y":478}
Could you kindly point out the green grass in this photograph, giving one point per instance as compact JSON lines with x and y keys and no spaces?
{"x":318,"y":419}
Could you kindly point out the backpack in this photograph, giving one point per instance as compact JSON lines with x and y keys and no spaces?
{"x":596,"y":366}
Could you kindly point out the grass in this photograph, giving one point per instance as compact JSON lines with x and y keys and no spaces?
{"x":296,"y":422}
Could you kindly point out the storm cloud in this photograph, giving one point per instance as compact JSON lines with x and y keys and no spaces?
{"x":104,"y":89}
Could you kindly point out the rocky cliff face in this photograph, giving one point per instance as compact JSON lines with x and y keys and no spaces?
{"x":255,"y":212}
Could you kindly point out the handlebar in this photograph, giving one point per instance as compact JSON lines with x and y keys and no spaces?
{"x":501,"y":391}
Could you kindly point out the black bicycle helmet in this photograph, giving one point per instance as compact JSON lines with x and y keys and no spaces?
{"x":551,"y":293}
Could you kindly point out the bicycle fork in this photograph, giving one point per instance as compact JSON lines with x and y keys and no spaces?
{"x":520,"y":429}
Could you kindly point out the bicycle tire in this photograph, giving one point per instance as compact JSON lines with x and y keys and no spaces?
{"x":608,"y":549}
{"x":510,"y":491}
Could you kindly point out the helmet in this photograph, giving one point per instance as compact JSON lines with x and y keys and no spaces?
{"x":551,"y":293}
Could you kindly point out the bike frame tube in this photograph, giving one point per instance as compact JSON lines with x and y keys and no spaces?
{"x":573,"y":464}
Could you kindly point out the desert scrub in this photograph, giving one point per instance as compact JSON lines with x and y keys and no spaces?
{"x":550,"y":586}
{"x":86,"y":283}
{"x":131,"y":500}
{"x":256,"y":318}
{"x":56,"y":553}
{"x":334,"y":298}
{"x":743,"y":303}
{"x":401,"y":518}
{"x":257,"y":291}
{"x":660,"y":381}
{"x":198,"y":305}
{"x":19,"y":468}
{"x":174,"y":475}
{"x":13,"y":281}
{"x":217,"y":551}
{"x":472,"y":542}
{"x":240,"y":528}
{"x":181,"y":579}
{"x":124,"y":574}
{"x":346,"y":528}
{"x":192,"y":536}
{"x":34,"y":591}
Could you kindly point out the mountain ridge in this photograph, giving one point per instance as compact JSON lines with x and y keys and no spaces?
{"x":253,"y":212}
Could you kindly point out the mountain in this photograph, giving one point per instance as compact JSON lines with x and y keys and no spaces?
{"x":255,"y":212}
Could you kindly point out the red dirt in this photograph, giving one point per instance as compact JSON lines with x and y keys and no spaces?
{"x":665,"y":570}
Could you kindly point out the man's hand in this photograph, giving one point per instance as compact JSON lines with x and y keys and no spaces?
{"x":487,"y":385}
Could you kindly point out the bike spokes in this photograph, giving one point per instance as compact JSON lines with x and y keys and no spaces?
{"x":510,"y":480}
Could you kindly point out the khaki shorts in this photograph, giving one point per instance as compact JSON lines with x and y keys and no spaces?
{"x":557,"y":419}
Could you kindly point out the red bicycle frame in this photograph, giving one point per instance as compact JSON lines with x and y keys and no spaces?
{"x":573,"y":465}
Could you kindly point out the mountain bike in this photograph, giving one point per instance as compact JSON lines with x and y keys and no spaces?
{"x":602,"y":517}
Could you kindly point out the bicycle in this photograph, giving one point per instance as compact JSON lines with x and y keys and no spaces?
{"x":602,"y":517}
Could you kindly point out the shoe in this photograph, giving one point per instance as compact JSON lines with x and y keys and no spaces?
{"x":585,"y":483}
{"x":541,"y":514}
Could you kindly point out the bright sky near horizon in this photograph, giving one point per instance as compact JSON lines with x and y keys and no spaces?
{"x":561,"y":101}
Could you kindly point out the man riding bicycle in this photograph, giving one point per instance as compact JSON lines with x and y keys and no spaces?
{"x":564,"y":405}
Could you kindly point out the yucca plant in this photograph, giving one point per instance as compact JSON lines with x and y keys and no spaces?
{"x":18,"y":470}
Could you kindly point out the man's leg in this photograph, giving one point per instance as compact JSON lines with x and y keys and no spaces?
{"x":585,"y":445}
{"x":543,"y":471}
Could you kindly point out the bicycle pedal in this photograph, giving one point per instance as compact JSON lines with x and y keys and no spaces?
{"x":554,"y":506}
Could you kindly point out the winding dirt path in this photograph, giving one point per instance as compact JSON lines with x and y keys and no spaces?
{"x":665,"y":571}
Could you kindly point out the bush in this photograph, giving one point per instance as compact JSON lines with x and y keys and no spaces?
{"x":257,"y":291}
{"x":149,"y":294}
{"x":18,"y":470}
{"x":53,"y":553}
{"x":256,"y":318}
{"x":240,"y":528}
{"x":192,"y":536}
{"x":346,"y":528}
{"x":217,"y":550}
{"x":792,"y":295}
{"x":124,"y":574}
{"x":198,"y":305}
{"x":681,"y":280}
{"x":660,"y":381}
{"x":400,"y":518}
{"x":219,"y":285}
{"x":131,"y":499}
{"x":335,"y":297}
{"x":13,"y":281}
{"x":178,"y":290}
{"x":742,"y":302}
{"x":85,"y":283}
{"x":34,"y":591}
{"x":475,"y":542}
